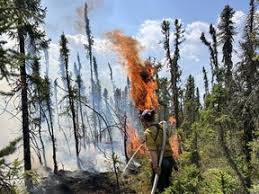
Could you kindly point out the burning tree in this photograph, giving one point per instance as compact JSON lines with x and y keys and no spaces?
{"x":140,"y":73}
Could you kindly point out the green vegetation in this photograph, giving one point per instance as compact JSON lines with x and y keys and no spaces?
{"x":218,"y":132}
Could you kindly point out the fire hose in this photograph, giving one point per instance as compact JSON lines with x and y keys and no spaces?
{"x":160,"y":158}
{"x":124,"y":170}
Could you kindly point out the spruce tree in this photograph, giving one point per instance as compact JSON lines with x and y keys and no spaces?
{"x":197,"y":97}
{"x":90,"y":56}
{"x":173,"y":62}
{"x":21,"y":19}
{"x":213,"y":48}
{"x":226,"y":38}
{"x":49,"y":110}
{"x":190,"y":105}
{"x":64,"y":56}
{"x":213,"y":34}
{"x":206,"y":82}
{"x":248,"y":77}
{"x":9,"y":173}
{"x":36,"y":99}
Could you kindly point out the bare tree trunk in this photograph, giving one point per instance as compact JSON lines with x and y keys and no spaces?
{"x":72,"y":108}
{"x":125,"y":135}
{"x":25,"y":112}
{"x":82,"y":117}
{"x":175,"y":97}
{"x":79,"y":83}
{"x":52,"y":138}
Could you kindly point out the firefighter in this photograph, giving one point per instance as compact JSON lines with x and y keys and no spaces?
{"x":154,"y":139}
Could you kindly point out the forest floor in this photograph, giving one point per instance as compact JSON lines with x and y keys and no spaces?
{"x":81,"y":182}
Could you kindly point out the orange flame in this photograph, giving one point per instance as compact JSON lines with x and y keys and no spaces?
{"x":143,"y":86}
{"x":140,"y":73}
{"x":175,"y":145}
{"x":134,"y":141}
{"x":174,"y":140}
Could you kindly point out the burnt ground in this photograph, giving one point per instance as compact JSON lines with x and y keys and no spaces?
{"x":80,"y":182}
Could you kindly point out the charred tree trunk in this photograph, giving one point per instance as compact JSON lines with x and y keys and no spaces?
{"x":90,"y":56}
{"x":52,"y":137}
{"x":82,"y":116}
{"x":175,"y":96}
{"x":64,"y":53}
{"x":125,"y":135}
{"x":73,"y":112}
{"x":25,"y":111}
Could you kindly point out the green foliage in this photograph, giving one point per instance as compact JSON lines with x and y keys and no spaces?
{"x":219,"y":140}
{"x":10,"y":149}
{"x":191,"y":105}
{"x":185,"y":181}
{"x":141,"y":182}
{"x":255,"y":189}
{"x":10,"y":173}
{"x":175,"y":71}
{"x":255,"y":158}
{"x":226,"y":38}
{"x":218,"y":181}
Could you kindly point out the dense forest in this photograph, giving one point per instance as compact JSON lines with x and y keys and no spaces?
{"x":216,"y":145}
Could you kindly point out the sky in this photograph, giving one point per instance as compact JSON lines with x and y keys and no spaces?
{"x":128,"y":15}
{"x":140,"y":19}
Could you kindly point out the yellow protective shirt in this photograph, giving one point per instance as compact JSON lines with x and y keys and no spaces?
{"x":154,"y":139}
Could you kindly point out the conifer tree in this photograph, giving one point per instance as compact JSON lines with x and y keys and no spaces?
{"x":21,"y":19}
{"x":36,"y":100}
{"x":89,"y":48}
{"x":64,"y":56}
{"x":213,"y":48}
{"x":49,"y":110}
{"x":173,"y":62}
{"x":9,"y":173}
{"x":197,"y":97}
{"x":213,"y":34}
{"x":248,"y":77}
{"x":206,"y":82}
{"x":190,"y":105}
{"x":226,"y":38}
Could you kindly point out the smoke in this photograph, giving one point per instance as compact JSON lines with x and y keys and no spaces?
{"x":79,"y":22}
{"x":140,"y":73}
